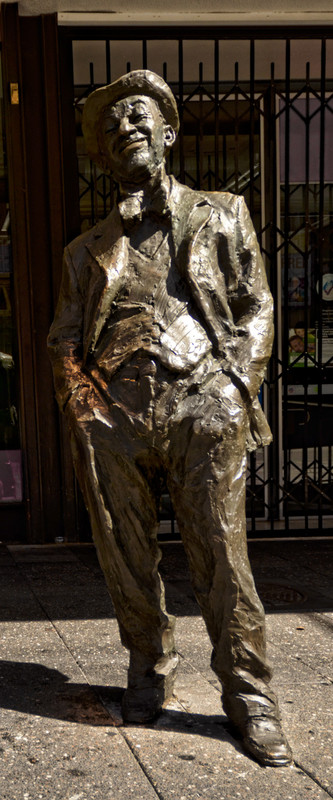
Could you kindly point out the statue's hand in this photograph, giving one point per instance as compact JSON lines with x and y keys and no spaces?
{"x":83,"y":403}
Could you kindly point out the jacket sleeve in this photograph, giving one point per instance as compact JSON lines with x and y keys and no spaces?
{"x":251,"y":304}
{"x":65,"y":336}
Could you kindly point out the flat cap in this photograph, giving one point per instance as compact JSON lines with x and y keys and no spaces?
{"x":139,"y":81}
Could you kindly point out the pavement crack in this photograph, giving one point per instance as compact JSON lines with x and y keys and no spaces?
{"x":311,"y":775}
{"x":272,"y":643}
{"x":142,"y":767}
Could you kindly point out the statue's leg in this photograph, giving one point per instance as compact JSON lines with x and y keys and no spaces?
{"x":210,"y":509}
{"x":207,"y":485}
{"x":118,"y":479}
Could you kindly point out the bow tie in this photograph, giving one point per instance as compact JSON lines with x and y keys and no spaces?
{"x":134,"y":208}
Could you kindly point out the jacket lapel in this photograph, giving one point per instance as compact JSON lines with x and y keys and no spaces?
{"x":197,"y":260}
{"x":109,"y":249}
{"x":189,"y":213}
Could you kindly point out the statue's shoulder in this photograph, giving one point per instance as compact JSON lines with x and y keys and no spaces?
{"x":220,"y":201}
{"x":78,"y":247}
{"x":223,"y":201}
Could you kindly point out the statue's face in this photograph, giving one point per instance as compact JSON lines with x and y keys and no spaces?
{"x":135,"y":138}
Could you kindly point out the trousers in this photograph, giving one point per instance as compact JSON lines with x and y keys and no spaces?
{"x":189,"y":432}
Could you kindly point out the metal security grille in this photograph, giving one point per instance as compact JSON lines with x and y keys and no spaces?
{"x":256,"y":119}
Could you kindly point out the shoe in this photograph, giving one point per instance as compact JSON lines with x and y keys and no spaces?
{"x":142,"y":705}
{"x":148,"y":691}
{"x":263,"y":738}
{"x":257,"y":719}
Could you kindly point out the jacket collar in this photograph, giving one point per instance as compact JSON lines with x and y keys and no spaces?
{"x":190,"y":211}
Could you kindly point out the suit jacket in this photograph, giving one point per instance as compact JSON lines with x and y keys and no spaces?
{"x":217,"y":254}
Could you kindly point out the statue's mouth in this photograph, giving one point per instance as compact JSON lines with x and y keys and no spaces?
{"x":132,"y":144}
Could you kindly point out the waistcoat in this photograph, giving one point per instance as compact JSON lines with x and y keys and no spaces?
{"x":154,"y":315}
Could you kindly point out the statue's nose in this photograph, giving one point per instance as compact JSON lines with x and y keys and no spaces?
{"x":125,"y":125}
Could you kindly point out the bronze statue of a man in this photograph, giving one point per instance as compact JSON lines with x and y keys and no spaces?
{"x":159,"y":344}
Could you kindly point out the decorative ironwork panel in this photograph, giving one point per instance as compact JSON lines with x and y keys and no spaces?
{"x":256,"y":119}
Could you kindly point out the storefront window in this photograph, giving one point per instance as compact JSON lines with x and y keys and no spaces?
{"x":10,"y":452}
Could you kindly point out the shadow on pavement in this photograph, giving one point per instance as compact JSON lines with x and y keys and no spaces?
{"x":34,"y":689}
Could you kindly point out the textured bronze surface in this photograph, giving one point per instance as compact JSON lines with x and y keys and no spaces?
{"x":159,"y":345}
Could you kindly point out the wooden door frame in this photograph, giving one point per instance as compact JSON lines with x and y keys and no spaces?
{"x":36,"y":195}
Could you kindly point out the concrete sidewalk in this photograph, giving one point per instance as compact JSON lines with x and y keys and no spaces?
{"x":63,"y":671}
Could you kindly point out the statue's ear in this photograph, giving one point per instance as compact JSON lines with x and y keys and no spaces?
{"x":169,"y":136}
